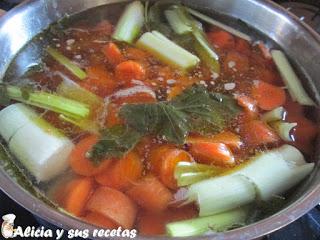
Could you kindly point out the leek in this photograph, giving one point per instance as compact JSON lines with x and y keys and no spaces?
{"x":182,"y":23}
{"x":50,"y":102}
{"x":277,"y":114}
{"x":284,"y":130}
{"x":167,"y":51}
{"x":40,"y":147}
{"x":187,"y":173}
{"x":130,"y":23}
{"x":266,"y":175}
{"x":73,"y":68}
{"x":219,"y":24}
{"x":295,"y":88}
{"x":217,"y":223}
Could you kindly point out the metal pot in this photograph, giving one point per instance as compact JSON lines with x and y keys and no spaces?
{"x":299,"y":41}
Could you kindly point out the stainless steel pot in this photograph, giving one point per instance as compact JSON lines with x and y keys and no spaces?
{"x":300,"y":42}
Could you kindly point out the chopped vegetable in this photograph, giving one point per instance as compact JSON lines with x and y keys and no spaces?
{"x":257,"y":133}
{"x":290,"y":78}
{"x":100,"y":220}
{"x":167,"y":51}
{"x":212,"y":153}
{"x":222,"y":39}
{"x":123,"y":173}
{"x":150,"y":194}
{"x":249,"y":182}
{"x":178,"y":20}
{"x":249,"y":104}
{"x":219,"y":24}
{"x":73,"y":68}
{"x":276,"y":114}
{"x":52,"y":102}
{"x":284,"y":130}
{"x":130,"y":70}
{"x":113,"y":53}
{"x":163,"y":162}
{"x":78,"y":194}
{"x":32,"y":132}
{"x":130,"y":24}
{"x":113,"y":205}
{"x":216,"y":223}
{"x":268,"y":96}
{"x":187,"y":173}
{"x":82,"y":165}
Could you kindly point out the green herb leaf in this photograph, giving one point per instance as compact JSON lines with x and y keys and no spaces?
{"x":4,"y":97}
{"x":114,"y":143}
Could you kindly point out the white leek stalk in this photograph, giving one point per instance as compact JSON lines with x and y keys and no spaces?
{"x":269,"y":174}
{"x":41,"y":148}
{"x":276,"y":114}
{"x":167,"y":51}
{"x":216,"y":223}
{"x":284,"y":130}
{"x":290,"y":78}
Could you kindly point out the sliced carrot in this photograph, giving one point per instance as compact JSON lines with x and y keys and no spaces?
{"x":79,"y":191}
{"x":82,"y":165}
{"x":100,"y":220}
{"x":268,"y":96}
{"x":249,"y":105}
{"x":113,"y":53}
{"x":212,"y":153}
{"x":130,"y":70}
{"x":114,"y":205}
{"x":236,"y":63}
{"x":243,"y":46}
{"x":150,"y":194}
{"x":228,"y":138}
{"x":257,"y":133}
{"x":163,"y":163}
{"x":222,"y":39}
{"x":123,"y":173}
{"x":150,"y":223}
{"x":99,"y":81}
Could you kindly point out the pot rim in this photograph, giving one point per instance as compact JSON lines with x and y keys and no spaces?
{"x":295,"y":210}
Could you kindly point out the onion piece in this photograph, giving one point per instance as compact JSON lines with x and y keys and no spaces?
{"x":284,"y":130}
{"x":277,"y":114}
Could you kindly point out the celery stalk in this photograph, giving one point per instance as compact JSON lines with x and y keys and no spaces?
{"x":177,"y":21}
{"x":73,"y":68}
{"x":130,"y":23}
{"x":217,"y":223}
{"x":167,"y":51}
{"x":50,"y":102}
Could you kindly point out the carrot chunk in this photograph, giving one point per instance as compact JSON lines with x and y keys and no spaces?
{"x":221,"y":39}
{"x":212,"y":153}
{"x":163,"y":162}
{"x":130,"y":70}
{"x":249,"y":104}
{"x":257,"y":133}
{"x":78,"y":194}
{"x":268,"y":96}
{"x":80,"y":164}
{"x":123,"y":173}
{"x":99,"y":220}
{"x":150,"y":194}
{"x":114,"y":205}
{"x":228,"y":138}
{"x":113,"y":53}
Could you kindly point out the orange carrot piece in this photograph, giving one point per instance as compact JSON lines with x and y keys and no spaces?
{"x":150,"y":194}
{"x":249,"y":105}
{"x":100,"y":220}
{"x":114,"y":205}
{"x":268,"y":96}
{"x":228,"y":138}
{"x":222,"y":39}
{"x":257,"y":133}
{"x":113,"y":53}
{"x":80,"y":164}
{"x":123,"y":173}
{"x":243,"y":46}
{"x":236,"y":63}
{"x":79,"y":191}
{"x":163,"y":163}
{"x":212,"y":153}
{"x":130,"y":70}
